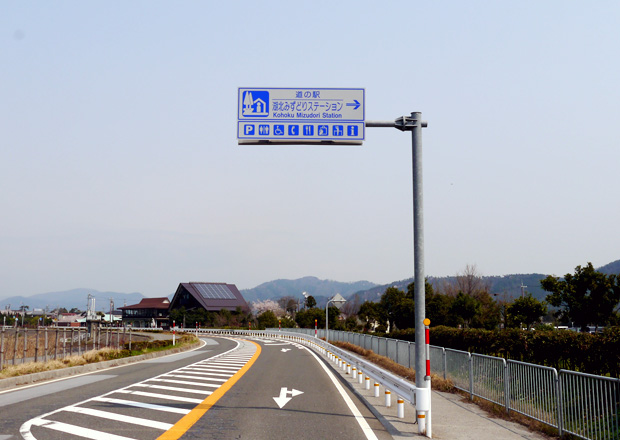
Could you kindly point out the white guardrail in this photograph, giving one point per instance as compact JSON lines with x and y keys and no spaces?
{"x":420,"y":398}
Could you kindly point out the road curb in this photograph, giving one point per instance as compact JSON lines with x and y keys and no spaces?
{"x":12,"y":382}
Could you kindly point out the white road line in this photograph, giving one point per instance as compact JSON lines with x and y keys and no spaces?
{"x":229,"y":366}
{"x":142,"y":405}
{"x":219,"y":370}
{"x":161,"y":396}
{"x":189,"y":376}
{"x":186,"y":382}
{"x":195,"y":371}
{"x":225,"y":364}
{"x":368,"y":432}
{"x":72,"y":429}
{"x":182,"y":390}
{"x":120,"y":417}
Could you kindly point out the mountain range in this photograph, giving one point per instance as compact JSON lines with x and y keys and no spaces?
{"x":503,"y":287}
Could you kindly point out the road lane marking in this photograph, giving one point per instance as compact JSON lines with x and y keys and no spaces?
{"x":186,"y":382}
{"x":282,"y":400}
{"x":219,"y":370}
{"x":183,"y":425}
{"x":180,"y":389}
{"x":71,"y":429}
{"x":189,"y":376}
{"x":142,"y":405}
{"x":161,"y":396}
{"x":120,"y":417}
{"x":205,"y":373}
{"x":233,"y":371}
{"x":368,"y":432}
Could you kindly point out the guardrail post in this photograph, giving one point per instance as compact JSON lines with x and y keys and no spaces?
{"x":400,"y":408}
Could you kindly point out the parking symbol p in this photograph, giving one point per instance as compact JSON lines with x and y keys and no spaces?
{"x":249,"y":129}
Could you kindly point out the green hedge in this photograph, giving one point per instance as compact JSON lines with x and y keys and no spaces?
{"x":561,"y":349}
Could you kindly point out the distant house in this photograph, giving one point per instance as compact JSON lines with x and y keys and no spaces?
{"x":212,"y":297}
{"x":69,"y":320}
{"x":148,"y":313}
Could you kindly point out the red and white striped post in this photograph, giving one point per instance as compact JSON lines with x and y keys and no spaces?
{"x":427,"y":323}
{"x":315,"y":330}
{"x":423,"y":395}
{"x":174,"y":332}
{"x":279,"y":325}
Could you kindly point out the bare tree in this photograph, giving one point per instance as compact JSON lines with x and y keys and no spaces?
{"x":471,"y":282}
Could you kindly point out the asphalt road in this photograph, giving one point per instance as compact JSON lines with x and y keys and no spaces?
{"x":227,"y":389}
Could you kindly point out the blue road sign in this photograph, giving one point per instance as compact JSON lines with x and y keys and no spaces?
{"x":301,"y":115}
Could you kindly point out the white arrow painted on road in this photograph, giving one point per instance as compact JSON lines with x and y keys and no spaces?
{"x":284,"y":350}
{"x":282,"y":400}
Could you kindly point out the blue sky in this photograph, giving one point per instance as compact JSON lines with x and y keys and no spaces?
{"x":120,"y":168}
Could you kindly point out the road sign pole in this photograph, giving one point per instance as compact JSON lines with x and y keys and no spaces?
{"x":415,"y":124}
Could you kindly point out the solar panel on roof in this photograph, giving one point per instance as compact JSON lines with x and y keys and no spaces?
{"x":214,"y":291}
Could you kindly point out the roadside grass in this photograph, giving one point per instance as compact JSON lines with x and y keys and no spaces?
{"x":440,"y":384}
{"x":93,"y":356}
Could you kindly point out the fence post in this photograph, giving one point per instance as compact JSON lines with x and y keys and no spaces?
{"x":36,"y":344}
{"x":507,"y":372}
{"x":46,"y":344}
{"x":15,"y":348}
{"x":56,"y":345}
{"x":25,"y":345}
{"x":445,"y":362}
{"x":471,"y":377}
{"x":71,"y":344}
{"x":558,"y":382}
{"x":2,"y":349}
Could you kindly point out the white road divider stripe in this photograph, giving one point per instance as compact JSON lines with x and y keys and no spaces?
{"x":120,"y":417}
{"x":142,"y":405}
{"x":180,"y":389}
{"x":75,"y":430}
{"x":205,"y":373}
{"x":189,"y":376}
{"x":161,"y":396}
{"x":186,"y":382}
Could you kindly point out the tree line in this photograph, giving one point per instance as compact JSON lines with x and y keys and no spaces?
{"x":587,"y":298}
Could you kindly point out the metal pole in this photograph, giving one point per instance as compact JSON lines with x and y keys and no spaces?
{"x":418,"y":249}
{"x":414,"y":124}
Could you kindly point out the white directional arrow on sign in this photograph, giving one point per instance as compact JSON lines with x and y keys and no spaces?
{"x":282,"y":400}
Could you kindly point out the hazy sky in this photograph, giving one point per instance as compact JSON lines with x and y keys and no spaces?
{"x":120,"y":168}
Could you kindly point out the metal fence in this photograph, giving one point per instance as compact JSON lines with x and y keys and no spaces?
{"x":21,"y":345}
{"x":580,"y":404}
